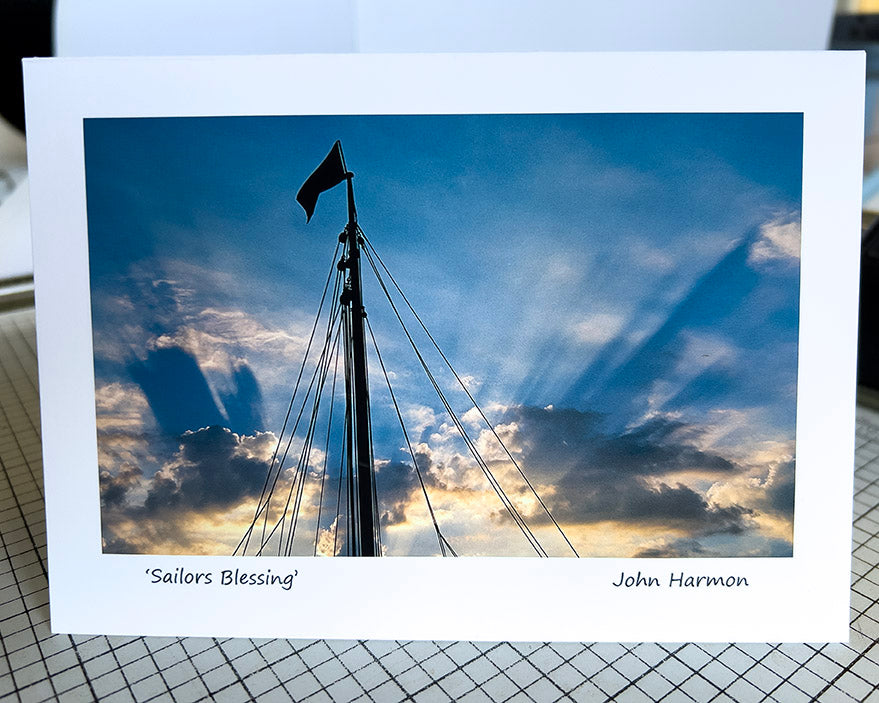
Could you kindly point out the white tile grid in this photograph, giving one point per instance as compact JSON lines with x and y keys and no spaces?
{"x":38,"y":666}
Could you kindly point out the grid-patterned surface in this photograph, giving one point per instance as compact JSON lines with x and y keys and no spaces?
{"x":38,"y":666}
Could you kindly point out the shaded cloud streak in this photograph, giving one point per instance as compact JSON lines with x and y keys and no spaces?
{"x":633,"y":501}
{"x":676,"y":549}
{"x":618,"y":477}
{"x":578,"y":442}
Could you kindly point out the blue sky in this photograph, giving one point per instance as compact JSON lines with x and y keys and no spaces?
{"x":622,"y":285}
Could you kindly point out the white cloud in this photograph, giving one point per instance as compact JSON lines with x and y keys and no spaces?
{"x":768,"y":488}
{"x":121,"y":406}
{"x":779,"y":241}
{"x":597,"y":328}
{"x":558,"y":269}
{"x":219,"y":338}
{"x":649,"y":257}
{"x":471,"y":383}
{"x":419,"y":418}
{"x":329,"y":543}
{"x":125,"y":425}
{"x":751,"y":488}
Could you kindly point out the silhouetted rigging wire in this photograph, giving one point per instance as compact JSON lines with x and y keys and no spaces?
{"x":302,"y":457}
{"x":245,"y":541}
{"x":320,"y":500}
{"x":342,"y":459}
{"x":339,"y":341}
{"x":439,"y":536}
{"x":336,"y":342}
{"x":371,"y":249}
{"x":305,"y":455}
{"x":468,"y":441}
{"x":311,"y":385}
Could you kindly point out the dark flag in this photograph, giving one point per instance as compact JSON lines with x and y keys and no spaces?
{"x":331,"y":172}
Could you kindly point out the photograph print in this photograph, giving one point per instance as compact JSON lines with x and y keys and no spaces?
{"x":549,"y":335}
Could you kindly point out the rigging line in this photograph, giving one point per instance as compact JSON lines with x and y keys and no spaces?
{"x":471,"y":446}
{"x":493,"y":482}
{"x":260,"y":505}
{"x":381,"y":362}
{"x":283,"y":518}
{"x":298,"y":481}
{"x":506,"y":501}
{"x":339,"y":494}
{"x":266,"y":506}
{"x":472,"y":399}
{"x":320,"y":375}
{"x":271,"y":493}
{"x":458,"y":424}
{"x":449,"y":546}
{"x":330,"y":323}
{"x":376,"y":527}
{"x":305,"y":456}
{"x":323,"y":478}
{"x":246,"y":539}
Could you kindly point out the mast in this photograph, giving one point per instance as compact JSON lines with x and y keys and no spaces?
{"x":363,"y":532}
{"x":364,"y":537}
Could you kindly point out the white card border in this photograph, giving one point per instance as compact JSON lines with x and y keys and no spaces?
{"x":803,"y":598}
